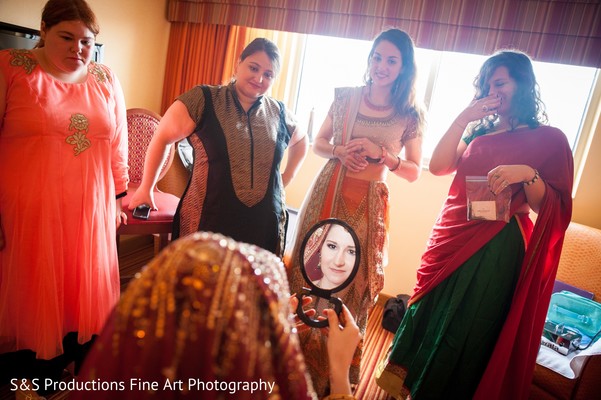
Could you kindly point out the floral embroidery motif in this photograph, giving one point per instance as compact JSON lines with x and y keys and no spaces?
{"x":100,"y":74}
{"x":79,"y":124}
{"x":22,"y":58}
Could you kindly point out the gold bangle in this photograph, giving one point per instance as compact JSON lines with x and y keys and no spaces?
{"x":334,"y":149}
{"x":398,"y":164}
{"x":531,"y":181}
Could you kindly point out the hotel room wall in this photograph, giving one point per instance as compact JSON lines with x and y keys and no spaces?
{"x":136,"y":33}
{"x":587,"y":202}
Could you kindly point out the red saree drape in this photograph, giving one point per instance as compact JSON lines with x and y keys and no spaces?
{"x":454,"y":239}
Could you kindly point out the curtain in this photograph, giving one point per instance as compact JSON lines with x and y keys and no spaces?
{"x":237,"y":40}
{"x":196,"y":55}
{"x":562,"y":31}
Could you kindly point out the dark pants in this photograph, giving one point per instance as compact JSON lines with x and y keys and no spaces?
{"x":23,"y":364}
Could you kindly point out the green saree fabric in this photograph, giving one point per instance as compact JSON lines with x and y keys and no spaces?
{"x":447,"y":359}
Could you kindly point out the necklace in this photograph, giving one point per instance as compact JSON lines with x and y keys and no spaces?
{"x":373,"y":106}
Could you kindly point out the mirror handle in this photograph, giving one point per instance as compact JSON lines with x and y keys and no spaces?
{"x":303,"y":317}
{"x":337,"y":305}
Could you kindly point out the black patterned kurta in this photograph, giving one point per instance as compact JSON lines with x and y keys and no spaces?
{"x":236,"y":187}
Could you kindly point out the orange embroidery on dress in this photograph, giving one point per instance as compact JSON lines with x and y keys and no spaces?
{"x":22,"y":58}
{"x":79,"y":124}
{"x":100,"y":74}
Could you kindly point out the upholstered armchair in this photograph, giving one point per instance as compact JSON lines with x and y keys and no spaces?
{"x":579,"y":266}
{"x":142,"y":124}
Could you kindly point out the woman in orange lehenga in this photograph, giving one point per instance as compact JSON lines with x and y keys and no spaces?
{"x":368,"y":126}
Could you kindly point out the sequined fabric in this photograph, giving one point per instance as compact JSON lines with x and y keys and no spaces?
{"x":206,"y":309}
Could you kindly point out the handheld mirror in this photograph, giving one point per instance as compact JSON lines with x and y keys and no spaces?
{"x":329,"y":260}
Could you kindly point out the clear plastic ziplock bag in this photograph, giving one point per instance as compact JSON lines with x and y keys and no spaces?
{"x":482,"y":204}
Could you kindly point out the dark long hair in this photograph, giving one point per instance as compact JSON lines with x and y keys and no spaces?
{"x":266,"y":45}
{"x":403,"y":90}
{"x":57,"y":11}
{"x":526,"y":104}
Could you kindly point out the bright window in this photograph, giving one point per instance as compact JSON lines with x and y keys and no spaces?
{"x":329,"y":63}
{"x":444,"y":85}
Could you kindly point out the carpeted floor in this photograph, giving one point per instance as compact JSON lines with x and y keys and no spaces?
{"x":377,"y":341}
{"x":134,"y":253}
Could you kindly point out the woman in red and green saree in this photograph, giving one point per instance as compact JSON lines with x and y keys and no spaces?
{"x":362,"y":138}
{"x":475,"y":319}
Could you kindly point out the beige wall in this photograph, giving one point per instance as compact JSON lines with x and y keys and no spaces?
{"x":587,"y":203}
{"x":135,"y":34}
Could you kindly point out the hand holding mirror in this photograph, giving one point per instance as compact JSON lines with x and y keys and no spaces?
{"x":329,"y":259}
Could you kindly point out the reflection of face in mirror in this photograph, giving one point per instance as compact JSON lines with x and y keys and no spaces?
{"x":329,"y":259}
{"x":336,"y":258}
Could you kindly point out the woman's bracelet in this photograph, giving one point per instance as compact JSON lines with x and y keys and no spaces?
{"x":334,"y":149}
{"x":398,"y":164}
{"x":531,"y":181}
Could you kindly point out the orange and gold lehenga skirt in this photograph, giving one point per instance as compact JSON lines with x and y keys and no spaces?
{"x":364,"y":206}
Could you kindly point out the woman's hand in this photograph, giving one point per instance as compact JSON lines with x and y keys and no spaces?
{"x":365,"y":148}
{"x":300,"y":325}
{"x":504,"y":175}
{"x":343,"y":338}
{"x":121,"y":216}
{"x":450,"y":147}
{"x":350,"y":156}
{"x":174,"y":126}
{"x":142,"y":196}
{"x":479,"y":108}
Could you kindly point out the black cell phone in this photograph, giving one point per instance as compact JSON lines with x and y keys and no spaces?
{"x":142,"y":211}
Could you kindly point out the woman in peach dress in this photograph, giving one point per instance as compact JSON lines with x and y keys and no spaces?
{"x":63,"y":167}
